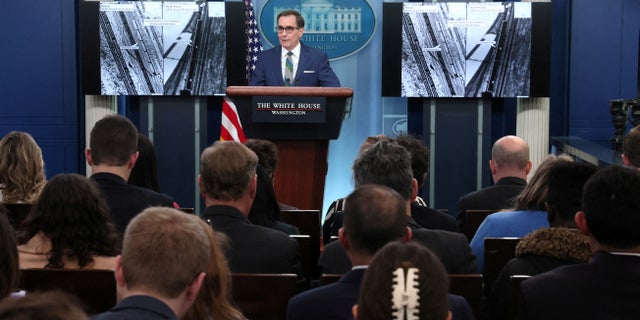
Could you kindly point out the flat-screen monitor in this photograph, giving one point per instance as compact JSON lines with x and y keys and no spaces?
{"x":164,"y":48}
{"x":457,"y":49}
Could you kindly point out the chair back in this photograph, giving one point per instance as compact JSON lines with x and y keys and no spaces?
{"x":187,"y":210}
{"x":263,"y":296}
{"x":95,"y":289}
{"x":470,"y":287}
{"x":17,"y":212}
{"x":497,"y":252}
{"x":474,"y":220}
{"x":329,"y":278}
{"x":515,"y":295}
{"x":308,"y":222}
{"x":304,"y":246}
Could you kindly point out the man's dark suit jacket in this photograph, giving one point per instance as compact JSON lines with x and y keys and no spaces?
{"x":452,"y":249}
{"x":253,"y":248}
{"x":334,"y":301}
{"x":127,"y":201}
{"x":608,"y":287}
{"x":496,"y":197}
{"x":313,"y":69}
{"x":138,"y":307}
{"x":433,"y":219}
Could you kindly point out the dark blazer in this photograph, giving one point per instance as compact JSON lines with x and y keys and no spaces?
{"x":126,"y":201}
{"x":452,"y":249}
{"x":335,"y":301}
{"x":496,"y":197}
{"x":138,"y":307}
{"x":313,"y":69}
{"x":253,"y":248}
{"x":608,"y":287}
{"x":433,"y":219}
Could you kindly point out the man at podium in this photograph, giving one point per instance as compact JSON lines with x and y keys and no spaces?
{"x":293,"y":63}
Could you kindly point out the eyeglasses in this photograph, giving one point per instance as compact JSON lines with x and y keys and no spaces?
{"x":289,"y":29}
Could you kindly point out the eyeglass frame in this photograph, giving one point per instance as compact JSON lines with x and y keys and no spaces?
{"x":287,"y":29}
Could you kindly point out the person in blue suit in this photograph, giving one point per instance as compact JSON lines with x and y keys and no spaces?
{"x":310,"y":66}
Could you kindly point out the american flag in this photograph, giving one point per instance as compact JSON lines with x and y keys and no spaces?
{"x":231,"y":127}
{"x":254,"y":47}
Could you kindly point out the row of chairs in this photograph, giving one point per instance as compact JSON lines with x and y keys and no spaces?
{"x":259,"y":296}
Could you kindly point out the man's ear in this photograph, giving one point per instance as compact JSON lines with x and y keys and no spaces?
{"x":253,"y":186}
{"x":581,"y":222}
{"x":194,"y":287}
{"x":342,"y":237}
{"x":493,"y":167}
{"x":625,"y":160}
{"x":87,"y":154}
{"x":133,"y":159}
{"x":354,"y":311}
{"x":414,"y":189}
{"x":201,"y":186}
{"x":529,"y":166}
{"x":119,"y":274}
{"x":408,"y":235}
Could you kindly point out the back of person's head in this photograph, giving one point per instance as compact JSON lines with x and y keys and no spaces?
{"x":21,"y":168}
{"x":164,"y":250}
{"x":9,"y":263}
{"x":264,"y":209}
{"x":145,"y":172}
{"x":385,"y":163}
{"x":372,"y":140}
{"x":226,"y":168}
{"x":534,"y":195}
{"x":373,"y":216}
{"x":510,"y":152}
{"x":419,"y":156}
{"x":564,"y":195}
{"x":113,"y":140}
{"x":611,"y":206}
{"x":404,"y":279}
{"x":267,"y":153}
{"x":72,"y":212}
{"x":214,"y":299}
{"x":631,"y":147}
{"x":49,"y":305}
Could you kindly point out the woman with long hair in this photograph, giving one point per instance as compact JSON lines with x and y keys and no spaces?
{"x":69,"y":227}
{"x":21,"y":168}
{"x":214,"y":298}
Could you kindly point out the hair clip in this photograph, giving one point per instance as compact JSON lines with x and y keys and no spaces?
{"x":405,"y":294}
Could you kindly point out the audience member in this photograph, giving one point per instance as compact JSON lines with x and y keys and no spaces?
{"x":528,"y":214}
{"x":69,"y":227}
{"x":112,"y":155}
{"x":387,"y":163}
{"x":608,"y":286}
{"x":228,"y":188}
{"x":549,"y":248}
{"x":423,"y":215}
{"x":145,"y":171}
{"x":374,"y":215}
{"x":330,"y":225}
{"x":267,"y":153}
{"x":404,"y":281}
{"x":509,"y":166}
{"x":21,"y":168}
{"x":164,"y":258}
{"x":214,"y":300}
{"x":264,"y":209}
{"x":49,"y":305}
{"x":631,"y":148}
{"x":9,"y":263}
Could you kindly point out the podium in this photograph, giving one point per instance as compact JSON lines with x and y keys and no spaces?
{"x":302,"y":137}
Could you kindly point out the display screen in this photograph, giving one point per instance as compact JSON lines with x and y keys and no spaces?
{"x":162,"y":48}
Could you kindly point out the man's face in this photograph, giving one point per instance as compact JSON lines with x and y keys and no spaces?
{"x":289,"y":40}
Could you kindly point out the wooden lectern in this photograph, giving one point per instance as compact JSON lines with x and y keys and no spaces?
{"x":302,"y":146}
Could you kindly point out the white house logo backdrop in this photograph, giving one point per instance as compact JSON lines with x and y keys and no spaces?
{"x":338,"y":27}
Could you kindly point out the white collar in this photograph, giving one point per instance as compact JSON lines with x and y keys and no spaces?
{"x":296,"y":51}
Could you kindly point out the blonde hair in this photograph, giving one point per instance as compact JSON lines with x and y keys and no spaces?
{"x":534,"y":195}
{"x":21,"y":168}
{"x":214,"y":298}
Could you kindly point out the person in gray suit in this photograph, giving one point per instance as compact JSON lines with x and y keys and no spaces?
{"x":387,"y":163}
